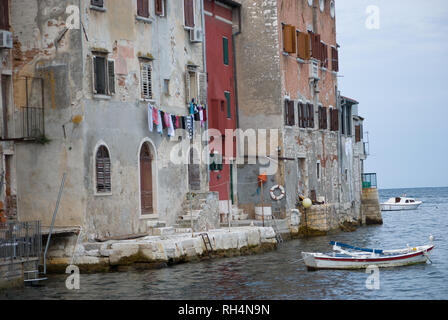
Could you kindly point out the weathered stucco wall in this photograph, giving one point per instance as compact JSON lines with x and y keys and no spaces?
{"x":118,"y":121}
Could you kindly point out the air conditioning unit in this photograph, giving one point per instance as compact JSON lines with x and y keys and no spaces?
{"x":196,"y":35}
{"x":5,"y":39}
{"x":314,"y":69}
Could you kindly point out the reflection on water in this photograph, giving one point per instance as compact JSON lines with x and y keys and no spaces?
{"x":280,"y":274}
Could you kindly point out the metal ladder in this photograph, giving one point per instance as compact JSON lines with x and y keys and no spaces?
{"x":207,"y":243}
{"x":278,"y":235}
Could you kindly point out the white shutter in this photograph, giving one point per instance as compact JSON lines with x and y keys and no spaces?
{"x":146,"y":78}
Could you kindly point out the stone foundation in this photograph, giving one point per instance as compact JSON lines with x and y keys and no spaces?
{"x":156,"y":252}
{"x":370,"y":206}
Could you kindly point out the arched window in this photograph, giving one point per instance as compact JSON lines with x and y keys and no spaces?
{"x":103,"y":170}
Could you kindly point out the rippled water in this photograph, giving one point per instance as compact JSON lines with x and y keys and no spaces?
{"x":279,"y":275}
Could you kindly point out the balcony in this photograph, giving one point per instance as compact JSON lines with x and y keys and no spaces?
{"x":369,"y":181}
{"x":26,"y":123}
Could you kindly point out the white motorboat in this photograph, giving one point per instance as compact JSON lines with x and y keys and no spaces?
{"x":400,"y":203}
{"x":361,"y":258}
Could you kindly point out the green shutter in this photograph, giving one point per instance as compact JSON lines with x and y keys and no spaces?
{"x":229,"y":105}
{"x":225,"y":45}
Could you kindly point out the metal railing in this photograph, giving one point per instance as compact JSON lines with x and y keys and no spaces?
{"x":369,"y":180}
{"x":20,"y":240}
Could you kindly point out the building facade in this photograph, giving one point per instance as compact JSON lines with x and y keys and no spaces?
{"x":110,"y":69}
{"x":288,"y":64}
{"x":221,"y":26}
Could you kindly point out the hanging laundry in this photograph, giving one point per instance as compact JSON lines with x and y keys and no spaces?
{"x":204,"y":113}
{"x":170,"y":126}
{"x":192,"y":107}
{"x":159,"y":122}
{"x":150,"y":118}
{"x":155,"y":115}
{"x":173,"y":121}
{"x":166,"y":120}
{"x":189,"y":123}
{"x":177,"y":123}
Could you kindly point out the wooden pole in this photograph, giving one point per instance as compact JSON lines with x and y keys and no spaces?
{"x":262,"y":203}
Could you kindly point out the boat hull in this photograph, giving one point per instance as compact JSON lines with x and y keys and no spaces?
{"x":399,"y":207}
{"x":314,"y":262}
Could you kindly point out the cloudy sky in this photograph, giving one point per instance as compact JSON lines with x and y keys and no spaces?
{"x":399,"y":74}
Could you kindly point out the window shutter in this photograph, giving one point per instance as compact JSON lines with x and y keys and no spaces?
{"x":291,"y":115}
{"x":335,"y":59}
{"x":187,"y":87}
{"x":97,"y":3}
{"x":146,"y":76}
{"x":202,"y":88}
{"x":316,"y":50}
{"x":189,"y":13}
{"x":103,"y":170}
{"x":303,"y":46}
{"x":325,"y":119}
{"x":357,"y":133}
{"x":159,"y":7}
{"x":4,"y":15}
{"x":140,"y":8}
{"x":229,"y":105}
{"x":310,"y":115}
{"x":301,"y":116}
{"x":225,"y":45}
{"x":324,"y":55}
{"x":94,"y":75}
{"x":111,"y":76}
{"x":289,"y":42}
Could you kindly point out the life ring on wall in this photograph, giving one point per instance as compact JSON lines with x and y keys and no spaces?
{"x":279,"y":197}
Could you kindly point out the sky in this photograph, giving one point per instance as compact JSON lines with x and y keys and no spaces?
{"x":399,"y":74}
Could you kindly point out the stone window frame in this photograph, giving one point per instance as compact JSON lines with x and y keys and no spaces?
{"x":110,"y":63}
{"x":97,"y":7}
{"x":96,"y":193}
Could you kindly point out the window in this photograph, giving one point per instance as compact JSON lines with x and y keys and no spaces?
{"x":225,"y":46}
{"x":97,"y":3}
{"x":143,"y":8}
{"x":358,"y":133}
{"x":318,"y":170}
{"x":166,"y":87}
{"x":303,"y":46}
{"x":349,"y":119}
{"x":146,"y":78}
{"x":316,"y":49}
{"x":289,"y":38}
{"x":229,"y":104}
{"x":4,"y":15}
{"x":334,"y":119}
{"x":323,"y":122}
{"x":334,"y":59}
{"x":322,"y":5}
{"x":103,"y":170}
{"x":103,"y":75}
{"x":216,"y":163}
{"x":289,"y":113}
{"x":189,"y":13}
{"x":324,"y":55}
{"x":306,"y":115}
{"x":160,"y":7}
{"x":332,"y":9}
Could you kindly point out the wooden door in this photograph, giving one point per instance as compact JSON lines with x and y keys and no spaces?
{"x":146,"y":186}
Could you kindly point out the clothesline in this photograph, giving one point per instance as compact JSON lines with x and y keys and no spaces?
{"x":165,"y":120}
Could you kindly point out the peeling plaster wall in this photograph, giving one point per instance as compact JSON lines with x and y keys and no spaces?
{"x":36,"y":26}
{"x":119,"y":121}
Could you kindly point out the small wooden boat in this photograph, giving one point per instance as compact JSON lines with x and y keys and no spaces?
{"x":361,"y":258}
{"x":400,"y":203}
